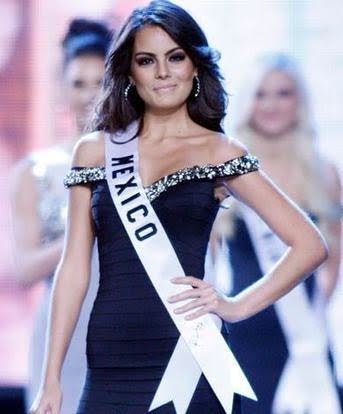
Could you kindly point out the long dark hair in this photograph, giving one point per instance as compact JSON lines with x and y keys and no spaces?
{"x":114,"y":113}
{"x":85,"y":37}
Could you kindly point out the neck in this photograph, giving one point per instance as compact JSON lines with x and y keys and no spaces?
{"x":80,"y":125}
{"x":158,"y":125}
{"x":69,"y":143}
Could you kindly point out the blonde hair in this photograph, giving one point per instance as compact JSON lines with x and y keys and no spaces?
{"x":303,"y":150}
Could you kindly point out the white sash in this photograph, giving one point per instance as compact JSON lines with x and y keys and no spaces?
{"x":306,"y":384}
{"x":201,"y":347}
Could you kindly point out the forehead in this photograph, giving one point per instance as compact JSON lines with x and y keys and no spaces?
{"x":153,"y":39}
{"x":277,"y":79}
{"x":85,"y":65}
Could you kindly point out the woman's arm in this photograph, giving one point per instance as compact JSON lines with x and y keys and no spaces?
{"x":307,"y":250}
{"x":71,"y":279}
{"x":34,"y":262}
{"x":328,"y":273}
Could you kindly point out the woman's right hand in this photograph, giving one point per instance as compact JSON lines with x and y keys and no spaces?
{"x":48,"y":400}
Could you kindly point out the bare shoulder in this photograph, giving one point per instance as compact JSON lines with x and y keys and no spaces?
{"x":89,"y":151}
{"x":224,"y":148}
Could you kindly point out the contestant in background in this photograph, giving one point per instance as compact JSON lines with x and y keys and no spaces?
{"x":40,"y":203}
{"x":16,"y":302}
{"x":284,"y":349}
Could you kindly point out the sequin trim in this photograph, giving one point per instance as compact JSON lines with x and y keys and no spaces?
{"x":84,"y":175}
{"x":237,"y":166}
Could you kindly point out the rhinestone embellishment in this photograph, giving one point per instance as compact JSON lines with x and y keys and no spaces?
{"x":236,"y":166}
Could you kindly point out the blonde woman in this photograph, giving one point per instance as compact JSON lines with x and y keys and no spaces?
{"x":284,"y":349}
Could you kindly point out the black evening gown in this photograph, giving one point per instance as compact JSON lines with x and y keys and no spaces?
{"x":259,"y":342}
{"x":130,"y":335}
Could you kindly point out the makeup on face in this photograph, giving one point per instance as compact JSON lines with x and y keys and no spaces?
{"x":160,"y":69}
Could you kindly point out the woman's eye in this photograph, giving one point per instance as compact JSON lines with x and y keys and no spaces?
{"x":78,"y":84}
{"x":285,"y":93}
{"x":177,"y":57}
{"x":144,"y":61}
{"x":260,"y":95}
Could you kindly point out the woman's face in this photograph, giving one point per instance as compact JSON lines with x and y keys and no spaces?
{"x":275,"y":108}
{"x":160,"y":69}
{"x":83,"y":80}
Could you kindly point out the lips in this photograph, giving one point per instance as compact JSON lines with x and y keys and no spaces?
{"x":164,"y":87}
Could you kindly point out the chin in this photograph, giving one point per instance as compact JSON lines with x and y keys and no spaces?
{"x":167,"y":105}
{"x":274,"y":130}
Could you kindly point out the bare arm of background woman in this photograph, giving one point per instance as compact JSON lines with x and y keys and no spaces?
{"x":34,"y":262}
{"x":328,"y":273}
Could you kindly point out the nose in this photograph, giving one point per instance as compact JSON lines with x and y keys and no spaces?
{"x":90,"y":95}
{"x":162,"y":70}
{"x":268,"y":102}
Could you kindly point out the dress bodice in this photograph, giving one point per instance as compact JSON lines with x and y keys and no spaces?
{"x":127,"y":305}
{"x":48,"y":168}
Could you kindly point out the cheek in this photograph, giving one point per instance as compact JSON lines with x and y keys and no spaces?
{"x":73,"y":97}
{"x":185,"y":73}
{"x":256,"y":110}
{"x":290,"y":108}
{"x":141,"y":76}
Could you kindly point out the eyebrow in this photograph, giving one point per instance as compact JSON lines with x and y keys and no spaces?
{"x":153,"y":54}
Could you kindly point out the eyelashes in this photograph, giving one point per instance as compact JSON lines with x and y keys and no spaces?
{"x":281,"y":93}
{"x":144,"y":61}
{"x":80,"y":84}
{"x":147,"y":60}
{"x":178,"y":57}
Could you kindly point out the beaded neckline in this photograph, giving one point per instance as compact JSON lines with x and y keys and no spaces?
{"x":237,"y":166}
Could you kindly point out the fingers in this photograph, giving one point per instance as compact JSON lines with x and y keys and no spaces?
{"x":44,"y":410}
{"x":200,"y":312}
{"x":190,"y":293}
{"x":208,"y":303}
{"x":191,"y":305}
{"x":205,"y":297}
{"x":189,"y":280}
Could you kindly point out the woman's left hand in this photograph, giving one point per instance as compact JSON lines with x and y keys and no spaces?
{"x":204,"y":298}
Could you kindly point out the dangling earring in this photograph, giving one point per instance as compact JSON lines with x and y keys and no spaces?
{"x":127,"y":90}
{"x":197,"y":87}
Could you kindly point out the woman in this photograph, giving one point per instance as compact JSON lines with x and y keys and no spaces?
{"x":163,"y":100}
{"x":39,"y":203}
{"x":284,"y":349}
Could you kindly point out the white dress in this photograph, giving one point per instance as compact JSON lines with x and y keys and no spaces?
{"x":49,"y":168}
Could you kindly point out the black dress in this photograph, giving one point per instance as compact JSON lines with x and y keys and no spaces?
{"x":130,"y":335}
{"x":259,"y":343}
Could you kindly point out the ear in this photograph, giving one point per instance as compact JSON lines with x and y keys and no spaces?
{"x":196,"y":72}
{"x":131,"y":80}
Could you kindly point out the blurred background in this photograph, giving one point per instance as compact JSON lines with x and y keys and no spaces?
{"x":33,"y":115}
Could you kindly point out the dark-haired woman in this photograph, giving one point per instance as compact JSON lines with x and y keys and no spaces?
{"x":39,"y":204}
{"x":146,"y":184}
